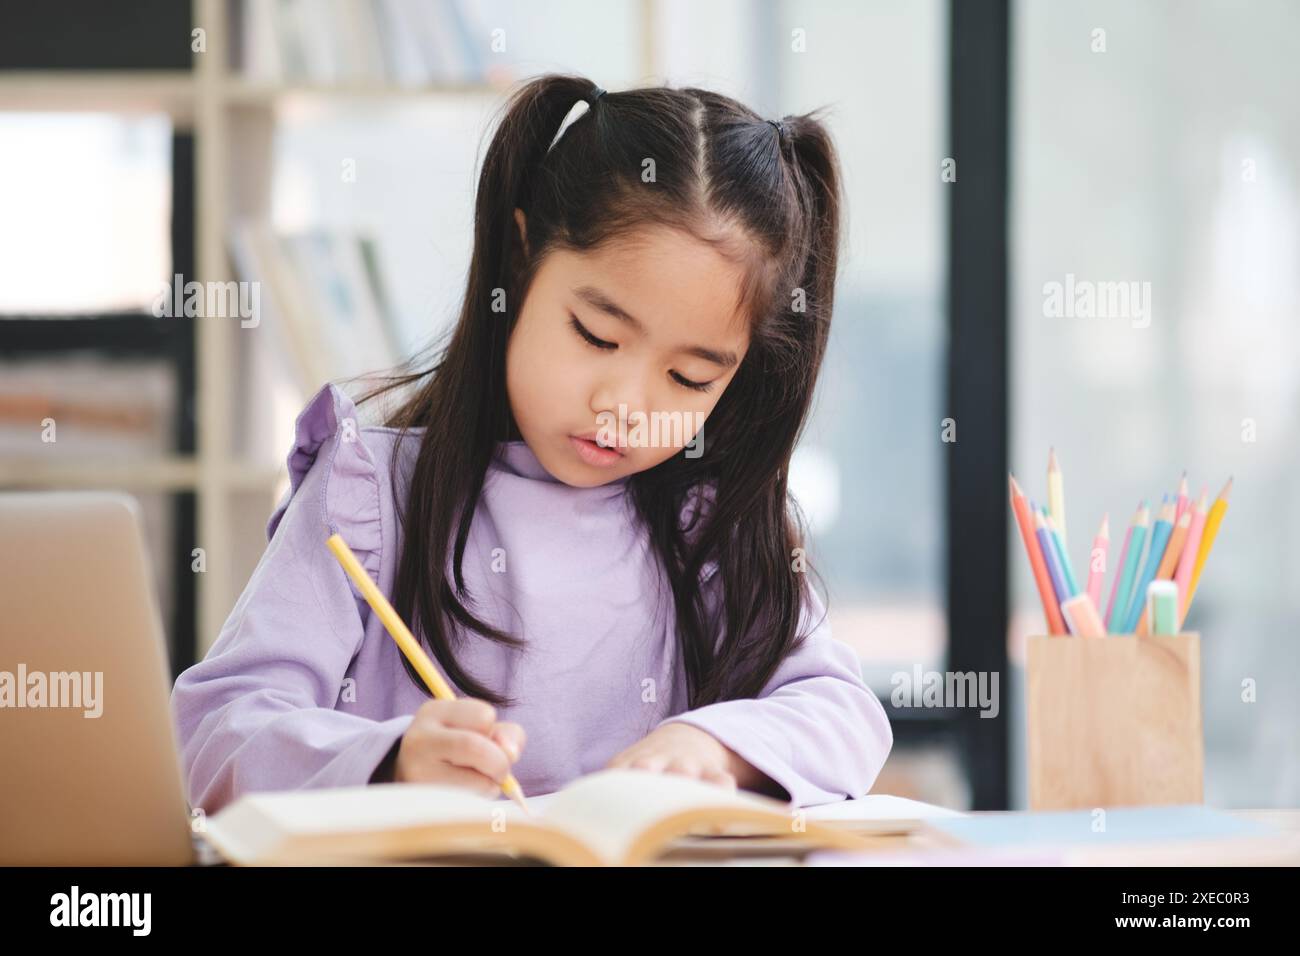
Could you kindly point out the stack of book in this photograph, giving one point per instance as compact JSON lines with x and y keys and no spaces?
{"x":375,"y":42}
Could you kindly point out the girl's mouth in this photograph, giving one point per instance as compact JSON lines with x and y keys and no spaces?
{"x":594,"y":454}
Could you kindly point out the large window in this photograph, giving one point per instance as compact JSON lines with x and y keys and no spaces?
{"x":1156,"y":144}
{"x":92,"y":192}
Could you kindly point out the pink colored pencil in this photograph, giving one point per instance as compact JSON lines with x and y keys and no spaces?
{"x":1182,"y":500}
{"x":1187,"y":560}
{"x":1097,"y":561}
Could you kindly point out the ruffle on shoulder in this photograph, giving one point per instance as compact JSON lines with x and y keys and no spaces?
{"x":329,"y":428}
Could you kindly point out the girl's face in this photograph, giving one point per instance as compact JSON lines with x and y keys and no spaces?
{"x":631,"y":346}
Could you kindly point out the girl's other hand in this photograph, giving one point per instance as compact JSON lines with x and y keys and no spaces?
{"x":686,"y":750}
{"x":461,"y":743}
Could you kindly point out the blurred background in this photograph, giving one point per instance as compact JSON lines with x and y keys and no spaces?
{"x":326,"y":150}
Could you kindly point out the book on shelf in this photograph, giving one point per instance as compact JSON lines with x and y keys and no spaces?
{"x":322,"y":297}
{"x":405,"y":43}
{"x":87,"y":407}
{"x":324,"y":314}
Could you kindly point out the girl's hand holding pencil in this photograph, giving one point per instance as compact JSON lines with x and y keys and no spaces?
{"x":461,"y":743}
{"x":448,"y":740}
{"x":1176,"y":550}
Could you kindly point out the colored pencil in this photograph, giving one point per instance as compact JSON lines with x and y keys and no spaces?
{"x":1174,"y":548}
{"x":1169,"y":562}
{"x":1097,"y":560}
{"x":1020,"y":507}
{"x":1212,"y":522}
{"x":1082,"y":616}
{"x":1056,"y":493}
{"x":1119,"y":607}
{"x":1049,"y":557}
{"x":1119,"y":565}
{"x":1160,"y":532}
{"x":1182,"y":497}
{"x":1063,"y":556}
{"x":1183,"y":576}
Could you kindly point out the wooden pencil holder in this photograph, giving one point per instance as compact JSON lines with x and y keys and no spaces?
{"x":1114,"y":721}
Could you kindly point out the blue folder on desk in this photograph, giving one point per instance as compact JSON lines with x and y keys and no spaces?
{"x":1122,"y":825}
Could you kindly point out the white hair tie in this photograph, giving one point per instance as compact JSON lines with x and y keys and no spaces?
{"x":578,"y":110}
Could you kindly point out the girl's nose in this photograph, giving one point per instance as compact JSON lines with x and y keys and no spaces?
{"x":623,"y":398}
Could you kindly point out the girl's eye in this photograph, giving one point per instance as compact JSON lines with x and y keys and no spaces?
{"x":697,"y":386}
{"x":591,"y":339}
{"x":605,"y":346}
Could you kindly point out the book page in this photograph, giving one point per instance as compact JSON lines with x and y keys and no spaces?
{"x":350,"y":809}
{"x":878,"y":806}
{"x":609,"y":809}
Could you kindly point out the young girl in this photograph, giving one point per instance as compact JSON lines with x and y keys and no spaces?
{"x":626,"y":601}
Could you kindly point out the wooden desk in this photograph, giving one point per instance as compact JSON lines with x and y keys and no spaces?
{"x":913,"y":848}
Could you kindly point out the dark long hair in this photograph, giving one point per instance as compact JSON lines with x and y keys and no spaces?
{"x":767,"y":197}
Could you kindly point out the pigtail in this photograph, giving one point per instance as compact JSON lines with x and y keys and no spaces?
{"x":804,"y":308}
{"x":815,"y":168}
{"x":815,"y":171}
{"x":467,"y":395}
{"x":530,"y":120}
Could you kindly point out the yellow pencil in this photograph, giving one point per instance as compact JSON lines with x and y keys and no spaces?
{"x":1212,"y":522}
{"x":437,"y":685}
{"x":1056,"y":493}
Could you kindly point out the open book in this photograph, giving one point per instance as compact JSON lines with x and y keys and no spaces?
{"x":611,"y":817}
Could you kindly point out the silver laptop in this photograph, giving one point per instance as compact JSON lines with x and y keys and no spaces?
{"x":90,"y":773}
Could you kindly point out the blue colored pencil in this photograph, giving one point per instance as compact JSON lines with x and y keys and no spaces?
{"x":1119,"y":607}
{"x":1049,"y":556}
{"x":1163,"y":527}
{"x":1067,"y":570}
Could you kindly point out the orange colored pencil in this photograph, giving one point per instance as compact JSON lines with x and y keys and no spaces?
{"x":1020,"y":507}
{"x":1169,"y":562}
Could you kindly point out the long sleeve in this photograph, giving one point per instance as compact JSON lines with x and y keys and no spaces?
{"x":258,"y":713}
{"x":815,"y":728}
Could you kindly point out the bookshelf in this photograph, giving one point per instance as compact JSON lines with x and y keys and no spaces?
{"x":232,"y":119}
